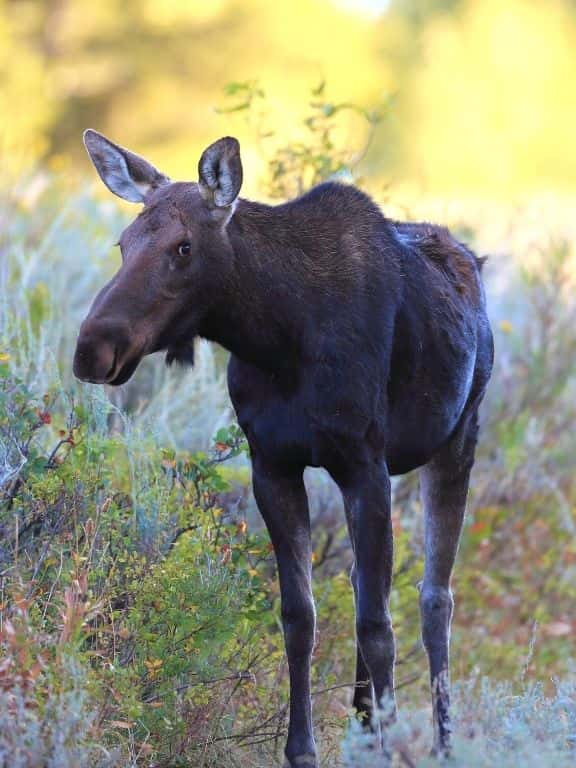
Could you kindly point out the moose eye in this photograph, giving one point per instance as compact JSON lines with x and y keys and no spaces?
{"x":184,"y":249}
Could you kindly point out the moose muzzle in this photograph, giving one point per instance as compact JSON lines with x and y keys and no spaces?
{"x":105,"y":353}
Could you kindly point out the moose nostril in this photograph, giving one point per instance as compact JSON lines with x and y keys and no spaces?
{"x":112,"y":369}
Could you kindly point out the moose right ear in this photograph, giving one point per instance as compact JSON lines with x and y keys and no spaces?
{"x":220,"y":172}
{"x":127,"y":175}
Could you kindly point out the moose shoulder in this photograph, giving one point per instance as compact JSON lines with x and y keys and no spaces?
{"x":358,"y":344}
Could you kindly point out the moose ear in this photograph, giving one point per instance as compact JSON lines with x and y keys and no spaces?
{"x":124,"y":173}
{"x":220,"y":171}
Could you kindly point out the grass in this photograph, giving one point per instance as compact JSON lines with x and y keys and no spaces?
{"x":495,"y":725}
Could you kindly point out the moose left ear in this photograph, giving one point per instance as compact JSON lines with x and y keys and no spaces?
{"x":220,"y":171}
{"x":126,"y":174}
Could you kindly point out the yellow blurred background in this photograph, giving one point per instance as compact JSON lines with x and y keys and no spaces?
{"x":476,"y":96}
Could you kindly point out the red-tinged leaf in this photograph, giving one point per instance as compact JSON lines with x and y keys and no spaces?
{"x":481,"y":526}
{"x":226,"y":552}
{"x":35,"y":670}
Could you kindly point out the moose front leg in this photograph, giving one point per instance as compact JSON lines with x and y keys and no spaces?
{"x":283,"y":503}
{"x":444,"y":487}
{"x":366,"y":492}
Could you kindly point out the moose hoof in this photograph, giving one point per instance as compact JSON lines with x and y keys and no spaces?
{"x":301,"y":761}
{"x":441,"y":753}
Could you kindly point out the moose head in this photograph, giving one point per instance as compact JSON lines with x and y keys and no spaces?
{"x":176,"y":257}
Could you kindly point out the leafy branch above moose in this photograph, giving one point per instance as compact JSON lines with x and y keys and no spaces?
{"x":358,"y":344}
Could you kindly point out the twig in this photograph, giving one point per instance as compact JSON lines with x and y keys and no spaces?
{"x":186,"y":686}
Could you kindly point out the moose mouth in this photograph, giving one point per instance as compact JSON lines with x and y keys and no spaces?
{"x":118,"y":377}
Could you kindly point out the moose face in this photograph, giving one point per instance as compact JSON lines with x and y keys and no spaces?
{"x":175,"y":259}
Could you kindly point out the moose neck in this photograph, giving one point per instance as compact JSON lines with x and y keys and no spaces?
{"x":258,"y":315}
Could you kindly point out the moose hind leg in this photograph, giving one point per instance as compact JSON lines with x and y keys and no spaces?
{"x":444,"y":487}
{"x":362,"y":700}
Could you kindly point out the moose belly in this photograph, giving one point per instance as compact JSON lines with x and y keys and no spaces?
{"x":299,"y":430}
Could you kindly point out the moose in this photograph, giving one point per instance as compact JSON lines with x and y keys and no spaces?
{"x":357,"y":343}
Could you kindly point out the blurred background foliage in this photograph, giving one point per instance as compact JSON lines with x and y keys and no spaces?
{"x":479,"y":88}
{"x":139,"y":609}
